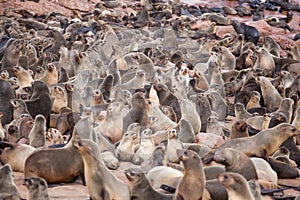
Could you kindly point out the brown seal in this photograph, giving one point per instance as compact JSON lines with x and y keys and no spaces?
{"x":239,"y":129}
{"x":19,"y":107}
{"x":96,"y":174}
{"x":140,"y":187}
{"x":264,"y":143}
{"x":50,"y":168}
{"x":125,"y":150}
{"x":236,"y":185}
{"x":192,"y":184}
{"x":138,"y":112}
{"x":40,"y":102}
{"x":37,"y":188}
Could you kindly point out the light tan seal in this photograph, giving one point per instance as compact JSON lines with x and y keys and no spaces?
{"x":140,"y":187}
{"x":37,"y":188}
{"x":101,"y":183}
{"x":15,"y":154}
{"x":37,"y":135}
{"x":236,"y":186}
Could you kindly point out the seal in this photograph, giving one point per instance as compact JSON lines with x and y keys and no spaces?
{"x":37,"y":188}
{"x":138,"y":112}
{"x":254,"y":101}
{"x":37,"y":135}
{"x":264,"y":143}
{"x":146,"y":148}
{"x":172,"y":146}
{"x":19,"y":107}
{"x":6,"y":94}
{"x":96,"y":173}
{"x":50,"y":75}
{"x":236,"y":161}
{"x":60,"y":98}
{"x":166,"y":98}
{"x":53,"y":136}
{"x":125,"y":150}
{"x":239,"y":129}
{"x":189,"y":113}
{"x":7,"y":184}
{"x":264,"y":170}
{"x":240,"y":112}
{"x":192,"y":184}
{"x":73,"y":164}
{"x":40,"y":102}
{"x":236,"y":185}
{"x":251,"y":33}
{"x":140,"y":187}
{"x":271,"y":96}
{"x":15,"y":154}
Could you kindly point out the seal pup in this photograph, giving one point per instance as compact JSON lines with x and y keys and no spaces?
{"x":172,"y":146}
{"x":60,"y":98}
{"x":254,"y":101}
{"x":146,"y":148}
{"x":192,"y":184}
{"x":189,"y":113}
{"x":126,"y":149}
{"x":7,"y":184}
{"x":140,"y":187}
{"x":239,"y":129}
{"x":236,"y":186}
{"x":96,"y":173}
{"x":37,"y":135}
{"x":37,"y":188}
{"x":264,"y":143}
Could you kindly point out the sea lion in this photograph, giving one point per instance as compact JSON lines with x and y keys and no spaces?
{"x":264,"y":143}
{"x":96,"y":173}
{"x":23,"y":76}
{"x":60,"y":98}
{"x":50,"y":75}
{"x":214,"y":126}
{"x":39,"y":102}
{"x":50,"y":167}
{"x":193,"y":176}
{"x":125,"y":150}
{"x":189,"y":113}
{"x":37,"y":188}
{"x":166,"y":98}
{"x":172,"y":146}
{"x":251,"y":33}
{"x":236,"y":186}
{"x":37,"y":135}
{"x":254,"y":101}
{"x":282,"y":169}
{"x":140,"y":187}
{"x":53,"y":136}
{"x":7,"y":184}
{"x":15,"y":154}
{"x":111,"y":126}
{"x":240,"y":112}
{"x":138,"y":112}
{"x":158,"y":158}
{"x":270,"y":95}
{"x":6,"y":93}
{"x":162,"y":122}
{"x":264,"y":62}
{"x":236,"y":161}
{"x":146,"y":148}
{"x":217,"y":18}
{"x":186,"y":133}
{"x":239,"y":129}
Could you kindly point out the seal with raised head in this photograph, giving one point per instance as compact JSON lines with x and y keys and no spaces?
{"x":37,"y":188}
{"x":7,"y":184}
{"x":101,"y":183}
{"x":251,"y":33}
{"x":236,"y":186}
{"x":140,"y":187}
{"x":192,"y":184}
{"x":264,"y":143}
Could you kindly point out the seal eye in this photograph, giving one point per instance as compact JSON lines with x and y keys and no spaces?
{"x":293,"y":129}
